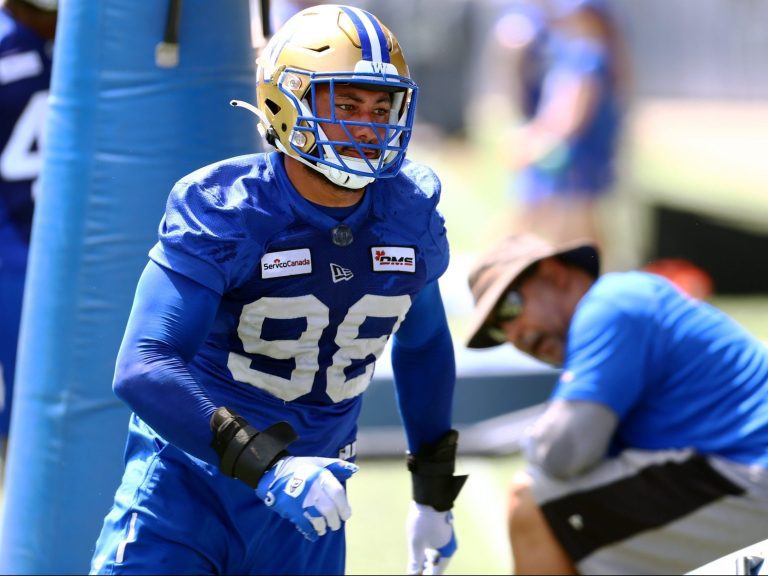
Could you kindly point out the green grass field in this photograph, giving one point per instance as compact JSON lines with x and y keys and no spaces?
{"x":380,"y":493}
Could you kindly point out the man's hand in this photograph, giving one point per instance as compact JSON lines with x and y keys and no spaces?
{"x":431,"y":539}
{"x":308,"y":492}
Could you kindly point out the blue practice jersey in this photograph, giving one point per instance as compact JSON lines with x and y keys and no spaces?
{"x":25,"y":72}
{"x":678,"y":372}
{"x":593,"y":147}
{"x":586,"y":165}
{"x":301,"y":319}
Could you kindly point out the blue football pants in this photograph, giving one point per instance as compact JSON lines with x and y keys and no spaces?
{"x":174,"y":515}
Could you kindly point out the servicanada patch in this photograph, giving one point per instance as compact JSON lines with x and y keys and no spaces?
{"x":393,"y":259}
{"x":287,"y":263}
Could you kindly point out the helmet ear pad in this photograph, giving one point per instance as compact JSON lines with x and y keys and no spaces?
{"x":324,"y":46}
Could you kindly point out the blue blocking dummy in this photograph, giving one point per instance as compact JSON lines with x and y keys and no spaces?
{"x":126,"y":120}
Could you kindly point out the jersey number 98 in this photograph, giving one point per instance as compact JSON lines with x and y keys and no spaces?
{"x":305,"y":350}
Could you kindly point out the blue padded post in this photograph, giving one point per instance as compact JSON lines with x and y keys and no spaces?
{"x":121,"y":131}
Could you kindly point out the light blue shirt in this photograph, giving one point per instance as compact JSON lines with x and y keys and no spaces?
{"x":678,"y":372}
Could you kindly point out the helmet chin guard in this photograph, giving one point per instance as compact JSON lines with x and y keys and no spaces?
{"x":331,"y":46}
{"x":341,"y":178}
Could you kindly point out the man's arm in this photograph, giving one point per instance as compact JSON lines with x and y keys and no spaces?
{"x":425,"y":376}
{"x":570,"y":437}
{"x":170,"y":318}
{"x":424,"y":369}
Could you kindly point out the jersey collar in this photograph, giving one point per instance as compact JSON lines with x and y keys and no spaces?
{"x":311,"y":214}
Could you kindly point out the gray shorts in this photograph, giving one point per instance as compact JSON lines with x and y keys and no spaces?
{"x":655,"y":512}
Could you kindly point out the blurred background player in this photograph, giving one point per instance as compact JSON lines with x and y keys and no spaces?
{"x":27,"y":30}
{"x":651,"y":456}
{"x":276,"y":282}
{"x":573,"y":78}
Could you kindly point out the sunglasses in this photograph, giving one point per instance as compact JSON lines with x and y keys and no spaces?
{"x":509,"y":307}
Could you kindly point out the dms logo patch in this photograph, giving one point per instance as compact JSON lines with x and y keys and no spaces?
{"x":393,"y":259}
{"x":286,"y":263}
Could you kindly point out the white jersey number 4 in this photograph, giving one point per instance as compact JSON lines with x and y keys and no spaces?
{"x":22,"y":157}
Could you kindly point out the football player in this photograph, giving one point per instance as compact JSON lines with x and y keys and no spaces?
{"x":27,"y":28}
{"x":275,"y":284}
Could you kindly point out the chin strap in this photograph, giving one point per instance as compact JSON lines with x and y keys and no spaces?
{"x":339,"y":177}
{"x":432,"y":469}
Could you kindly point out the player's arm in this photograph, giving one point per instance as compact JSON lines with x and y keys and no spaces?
{"x":170,"y":319}
{"x":570,"y":102}
{"x":570,"y":437}
{"x":424,"y":369}
{"x":425,"y":375}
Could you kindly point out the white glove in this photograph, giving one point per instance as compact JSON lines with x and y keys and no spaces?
{"x":431,"y":538}
{"x":308,"y":492}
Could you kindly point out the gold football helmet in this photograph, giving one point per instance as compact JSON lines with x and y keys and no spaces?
{"x":333,"y":45}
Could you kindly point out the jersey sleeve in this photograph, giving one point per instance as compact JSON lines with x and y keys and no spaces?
{"x":424,"y":369}
{"x":569,"y":437}
{"x":437,"y":252}
{"x":170,"y":318}
{"x":608,"y":346}
{"x":203,"y":234}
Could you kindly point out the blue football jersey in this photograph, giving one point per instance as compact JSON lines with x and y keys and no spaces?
{"x":585,"y":165}
{"x":593,"y":148}
{"x":25,"y":73}
{"x":302,"y":319}
{"x":678,"y":372}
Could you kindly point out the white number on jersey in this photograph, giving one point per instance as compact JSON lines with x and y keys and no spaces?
{"x":22,"y":157}
{"x":305,"y":349}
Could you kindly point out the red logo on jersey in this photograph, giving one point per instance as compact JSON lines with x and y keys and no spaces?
{"x":393,"y":258}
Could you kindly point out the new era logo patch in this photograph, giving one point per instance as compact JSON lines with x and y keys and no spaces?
{"x":393,"y":259}
{"x":338,"y":273}
{"x":286,"y":263}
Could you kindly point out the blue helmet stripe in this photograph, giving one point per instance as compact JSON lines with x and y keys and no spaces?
{"x":380,"y":37}
{"x":372,"y":40}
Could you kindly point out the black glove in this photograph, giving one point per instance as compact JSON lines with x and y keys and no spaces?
{"x":245,"y":452}
{"x":432,"y":469}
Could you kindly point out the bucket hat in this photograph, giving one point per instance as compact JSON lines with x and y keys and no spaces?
{"x":498,"y":268}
